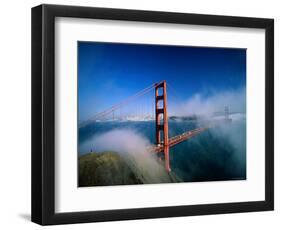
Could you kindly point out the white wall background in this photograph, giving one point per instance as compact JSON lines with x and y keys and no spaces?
{"x":15,"y":113}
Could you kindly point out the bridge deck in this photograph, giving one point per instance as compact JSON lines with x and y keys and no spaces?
{"x":177,"y":139}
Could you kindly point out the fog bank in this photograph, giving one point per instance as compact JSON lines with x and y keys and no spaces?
{"x":202,"y":105}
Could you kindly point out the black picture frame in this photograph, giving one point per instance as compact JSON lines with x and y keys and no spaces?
{"x":43,"y":114}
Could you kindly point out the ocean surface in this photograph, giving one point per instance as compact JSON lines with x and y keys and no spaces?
{"x":216,"y":154}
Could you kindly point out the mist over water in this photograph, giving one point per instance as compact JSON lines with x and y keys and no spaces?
{"x":126,"y":141}
{"x":216,"y":154}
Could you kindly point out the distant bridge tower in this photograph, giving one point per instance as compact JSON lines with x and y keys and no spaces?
{"x":226,"y":113}
{"x":161,"y":120}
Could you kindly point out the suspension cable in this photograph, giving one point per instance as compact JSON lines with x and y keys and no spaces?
{"x":120,"y":104}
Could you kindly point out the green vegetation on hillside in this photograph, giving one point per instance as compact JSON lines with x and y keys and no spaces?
{"x":106,"y":168}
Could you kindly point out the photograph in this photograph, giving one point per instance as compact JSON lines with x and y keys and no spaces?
{"x":157,"y":113}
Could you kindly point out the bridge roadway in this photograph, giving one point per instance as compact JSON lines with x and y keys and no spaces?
{"x":177,"y":139}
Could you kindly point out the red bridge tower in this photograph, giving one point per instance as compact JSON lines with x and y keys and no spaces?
{"x":161,"y":120}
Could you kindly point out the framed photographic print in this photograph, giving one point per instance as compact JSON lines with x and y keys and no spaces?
{"x":141,"y":114}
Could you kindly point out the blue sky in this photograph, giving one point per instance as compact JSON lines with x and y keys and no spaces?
{"x":111,"y":72}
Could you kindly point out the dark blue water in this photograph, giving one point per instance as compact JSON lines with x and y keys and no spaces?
{"x":216,"y":154}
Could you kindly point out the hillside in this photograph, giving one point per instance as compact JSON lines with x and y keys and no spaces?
{"x":106,"y":168}
{"x":109,"y":168}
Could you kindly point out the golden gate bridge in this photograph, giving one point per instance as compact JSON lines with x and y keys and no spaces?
{"x":155,"y":110}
